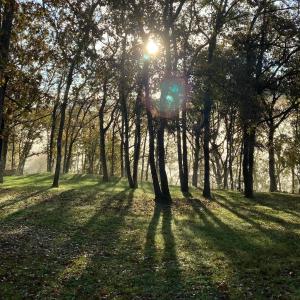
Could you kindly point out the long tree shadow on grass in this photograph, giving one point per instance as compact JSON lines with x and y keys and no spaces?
{"x":254,"y":217}
{"x":96,"y":268}
{"x":289,"y":203}
{"x":248,"y":256}
{"x":22,"y":198}
{"x":162,"y":270}
{"x":54,"y":230}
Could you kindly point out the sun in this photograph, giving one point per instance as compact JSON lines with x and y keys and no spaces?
{"x":152,"y":47}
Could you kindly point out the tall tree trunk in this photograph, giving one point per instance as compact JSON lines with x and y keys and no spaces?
{"x":155,"y":181}
{"x":122,"y":149}
{"x":206,"y":122}
{"x":53,"y":127}
{"x":143,"y":157}
{"x":271,"y":150}
{"x":102,"y":133}
{"x":4,"y":151}
{"x":239,"y":186}
{"x":206,"y":151}
{"x":196,"y":158}
{"x":225,"y":175}
{"x":137,"y":137}
{"x":103,"y":152}
{"x":66,"y":156}
{"x":230,"y":162}
{"x":179,"y":152}
{"x":248,"y":159}
{"x":5,"y":37}
{"x":166,"y":196}
{"x":62,"y":124}
{"x":69,"y":156}
{"x":293,"y":180}
{"x":124,"y":109}
{"x":112,"y":165}
{"x":164,"y":185}
{"x":13,"y":149}
{"x":2,"y":136}
{"x":185,"y":183}
{"x":25,"y":152}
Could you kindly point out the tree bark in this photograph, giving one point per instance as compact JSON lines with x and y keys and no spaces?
{"x":206,"y":122}
{"x":102,"y":133}
{"x":185,"y":183}
{"x":2,"y":136}
{"x":271,"y":150}
{"x":112,"y":166}
{"x":5,"y":37}
{"x":248,"y":159}
{"x":293,"y":180}
{"x":143,"y":156}
{"x":13,"y":148}
{"x":4,"y":151}
{"x":179,"y":153}
{"x":166,"y":196}
{"x":122,"y":148}
{"x":66,"y":156}
{"x":196,"y":158}
{"x":25,"y":151}
{"x":155,"y":181}
{"x":137,"y":136}
{"x":53,"y":127}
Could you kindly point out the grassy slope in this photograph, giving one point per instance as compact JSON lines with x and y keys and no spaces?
{"x":90,"y":240}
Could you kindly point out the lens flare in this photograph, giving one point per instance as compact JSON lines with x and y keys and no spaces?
{"x":152,"y":47}
{"x":172,"y":96}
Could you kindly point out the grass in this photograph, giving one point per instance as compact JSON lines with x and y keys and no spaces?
{"x":90,"y":240}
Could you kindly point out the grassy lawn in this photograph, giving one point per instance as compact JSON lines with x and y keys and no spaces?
{"x":89,"y":240}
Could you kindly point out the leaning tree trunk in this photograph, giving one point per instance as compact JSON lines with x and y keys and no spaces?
{"x":271,"y":150}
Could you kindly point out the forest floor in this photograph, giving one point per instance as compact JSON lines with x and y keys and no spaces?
{"x":89,"y":240}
